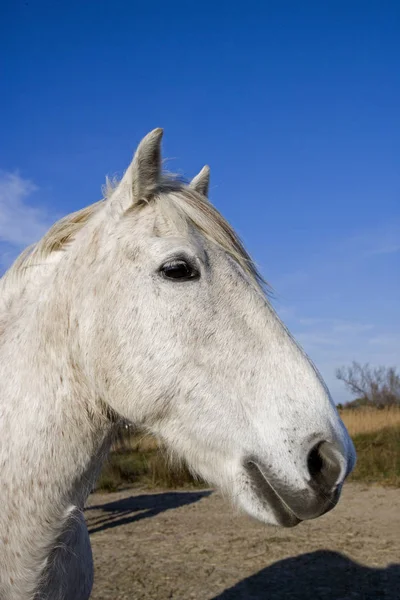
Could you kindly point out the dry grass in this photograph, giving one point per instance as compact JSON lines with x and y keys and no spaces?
{"x":136,"y":442}
{"x":368,"y":420}
{"x":378,"y":457}
{"x":376,"y":436}
{"x":139,"y":460}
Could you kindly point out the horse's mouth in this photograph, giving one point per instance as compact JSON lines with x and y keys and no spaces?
{"x":267,"y":495}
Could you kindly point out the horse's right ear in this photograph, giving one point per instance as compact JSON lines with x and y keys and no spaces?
{"x":201,"y":182}
{"x":142,"y":177}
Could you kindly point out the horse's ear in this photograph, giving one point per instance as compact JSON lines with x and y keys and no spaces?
{"x":142,"y":177}
{"x":201,"y":182}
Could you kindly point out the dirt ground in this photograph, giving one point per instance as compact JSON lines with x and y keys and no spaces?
{"x":191,"y":544}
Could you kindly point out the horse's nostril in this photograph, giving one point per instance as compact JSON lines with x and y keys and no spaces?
{"x":315,"y":462}
{"x":324,"y":465}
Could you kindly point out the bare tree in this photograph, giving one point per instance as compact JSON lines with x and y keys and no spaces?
{"x":378,"y":386}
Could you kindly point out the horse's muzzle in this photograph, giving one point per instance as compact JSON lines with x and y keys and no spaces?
{"x":320,"y":494}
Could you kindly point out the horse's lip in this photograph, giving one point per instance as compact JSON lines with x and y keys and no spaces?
{"x":265,"y":492}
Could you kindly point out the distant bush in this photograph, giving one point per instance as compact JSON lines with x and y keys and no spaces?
{"x":378,"y":386}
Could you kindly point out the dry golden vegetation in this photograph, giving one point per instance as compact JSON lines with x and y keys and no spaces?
{"x":367,"y":420}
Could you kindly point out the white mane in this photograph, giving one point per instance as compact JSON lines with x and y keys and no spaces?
{"x":175,"y":199}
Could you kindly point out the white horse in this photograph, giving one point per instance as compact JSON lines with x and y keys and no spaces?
{"x":145,"y":306}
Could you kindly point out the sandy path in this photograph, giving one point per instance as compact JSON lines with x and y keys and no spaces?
{"x":191,"y":544}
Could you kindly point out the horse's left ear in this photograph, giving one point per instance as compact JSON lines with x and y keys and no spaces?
{"x":142,"y":177}
{"x":201,"y":182}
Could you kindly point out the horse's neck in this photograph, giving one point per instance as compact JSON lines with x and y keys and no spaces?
{"x":52,"y":441}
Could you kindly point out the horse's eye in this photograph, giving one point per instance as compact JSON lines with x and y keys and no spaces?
{"x":179,"y":270}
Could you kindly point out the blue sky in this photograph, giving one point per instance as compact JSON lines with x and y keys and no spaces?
{"x":295,"y":106}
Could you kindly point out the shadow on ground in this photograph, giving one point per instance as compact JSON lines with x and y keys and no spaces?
{"x":135,"y":508}
{"x":321,"y":575}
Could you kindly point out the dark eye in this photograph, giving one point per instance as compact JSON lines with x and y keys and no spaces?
{"x":179,"y":270}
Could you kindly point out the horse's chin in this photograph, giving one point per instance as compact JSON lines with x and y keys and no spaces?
{"x":249,"y":490}
{"x":268,"y":514}
{"x":259,"y":500}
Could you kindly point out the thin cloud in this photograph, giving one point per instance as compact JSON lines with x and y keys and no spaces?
{"x":353,"y":278}
{"x":332,"y":342}
{"x":20,"y":223}
{"x":385,"y":249}
{"x":340,"y":258}
{"x":382,"y":239}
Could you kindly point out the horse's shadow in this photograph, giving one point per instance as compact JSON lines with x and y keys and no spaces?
{"x":321,"y":575}
{"x":135,"y":508}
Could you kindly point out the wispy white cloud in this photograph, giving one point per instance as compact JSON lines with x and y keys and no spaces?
{"x":332,"y":342}
{"x":351,"y":328}
{"x":341,"y":300}
{"x":388,"y":248}
{"x":340,"y":258}
{"x":21,"y":224}
{"x":382,"y":239}
{"x":391,"y":341}
{"x":336,"y":325}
